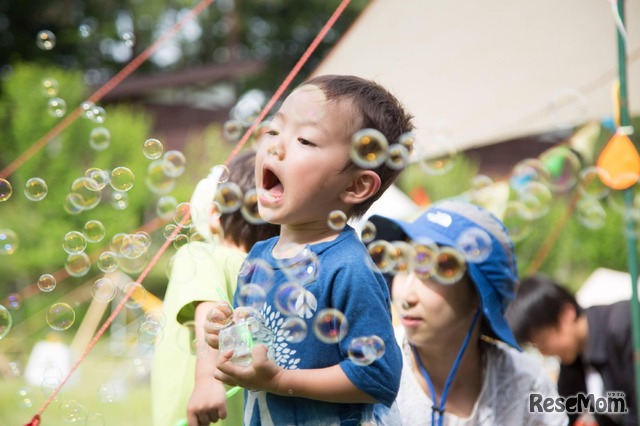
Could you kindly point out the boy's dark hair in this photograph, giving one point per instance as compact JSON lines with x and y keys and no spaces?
{"x":538,"y":304}
{"x":234,"y":225}
{"x":379,"y":110}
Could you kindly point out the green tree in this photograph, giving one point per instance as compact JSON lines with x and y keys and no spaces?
{"x":41,"y":225}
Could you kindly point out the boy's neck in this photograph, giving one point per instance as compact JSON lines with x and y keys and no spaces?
{"x":302,"y":235}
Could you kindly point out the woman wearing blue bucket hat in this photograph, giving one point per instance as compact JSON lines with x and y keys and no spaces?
{"x":454,"y":273}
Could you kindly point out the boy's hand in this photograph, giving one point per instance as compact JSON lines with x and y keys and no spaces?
{"x":262,"y":374}
{"x":217,"y":318}
{"x":208,"y":402}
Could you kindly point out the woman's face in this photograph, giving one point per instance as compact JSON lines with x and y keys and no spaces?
{"x":431,"y":311}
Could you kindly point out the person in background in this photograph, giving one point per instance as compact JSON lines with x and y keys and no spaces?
{"x":452,"y":282}
{"x":594,"y":345}
{"x":203,"y":273}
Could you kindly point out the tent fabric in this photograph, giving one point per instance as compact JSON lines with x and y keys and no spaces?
{"x":482,"y":72}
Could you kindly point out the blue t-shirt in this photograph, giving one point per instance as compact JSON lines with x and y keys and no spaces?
{"x":347,"y":281}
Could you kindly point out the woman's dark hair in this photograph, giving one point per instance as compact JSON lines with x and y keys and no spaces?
{"x":538,"y":305}
{"x":234,"y":225}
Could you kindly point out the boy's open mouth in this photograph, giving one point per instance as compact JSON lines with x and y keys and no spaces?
{"x":271,"y":184}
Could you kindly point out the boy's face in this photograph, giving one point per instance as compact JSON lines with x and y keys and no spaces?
{"x":561,"y":340}
{"x":300,"y":159}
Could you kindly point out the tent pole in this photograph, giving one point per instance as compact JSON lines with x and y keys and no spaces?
{"x":632,"y":241}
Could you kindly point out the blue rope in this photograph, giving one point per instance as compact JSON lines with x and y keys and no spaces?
{"x":439,"y":408}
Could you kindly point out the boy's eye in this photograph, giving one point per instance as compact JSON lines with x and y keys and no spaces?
{"x":305,"y":142}
{"x":271,"y":132}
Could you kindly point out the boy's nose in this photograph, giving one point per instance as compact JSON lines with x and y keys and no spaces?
{"x":276,"y":149}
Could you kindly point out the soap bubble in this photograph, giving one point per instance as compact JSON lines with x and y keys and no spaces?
{"x":99,"y":138}
{"x":78,"y":265}
{"x":122,"y":179}
{"x":173,"y":163}
{"x":184,"y":215}
{"x":9,"y":242}
{"x":294,"y":329}
{"x":35,"y":189}
{"x":360,"y":351}
{"x":97,"y":114}
{"x":287,"y":296}
{"x":94,"y":231}
{"x":166,"y":206}
{"x":337,"y":220}
{"x":99,"y":176}
{"x":49,"y":87}
{"x":383,"y":255}
{"x":46,"y":40}
{"x":330,"y":325}
{"x":6,"y":321}
{"x":73,"y":412}
{"x":475,"y":244}
{"x":156,"y":179}
{"x":46,"y":283}
{"x":368,"y":232}
{"x":229,"y":197}
{"x":103,"y":290}
{"x":137,"y":295}
{"x":107,"y":261}
{"x":232,"y":131}
{"x":6,"y":190}
{"x":302,"y":267}
{"x":119,"y":200}
{"x":223,"y":171}
{"x":14,"y":301}
{"x":450,"y":266}
{"x":74,"y":242}
{"x":249,"y":208}
{"x":60,"y":316}
{"x":57,"y":107}
{"x":398,"y":157}
{"x":152,"y":149}
{"x":369,"y":148}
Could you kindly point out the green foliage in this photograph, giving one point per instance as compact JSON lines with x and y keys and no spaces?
{"x":42,"y":225}
{"x":578,"y":250}
{"x":437,"y":187}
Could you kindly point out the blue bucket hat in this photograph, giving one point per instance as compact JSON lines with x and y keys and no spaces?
{"x":495,"y":278}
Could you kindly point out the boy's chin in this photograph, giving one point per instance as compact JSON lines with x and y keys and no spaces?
{"x":268,"y":215}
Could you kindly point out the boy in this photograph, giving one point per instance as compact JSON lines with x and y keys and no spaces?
{"x":594,"y":345}
{"x":304,"y":173}
{"x":202,"y":273}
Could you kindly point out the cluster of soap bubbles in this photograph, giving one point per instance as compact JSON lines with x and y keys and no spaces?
{"x":370,"y":149}
{"x":425,"y":258}
{"x":127,"y":252}
{"x":535,"y":182}
{"x":294,"y":303}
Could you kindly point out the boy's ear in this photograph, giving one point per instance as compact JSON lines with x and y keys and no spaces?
{"x":365,"y":184}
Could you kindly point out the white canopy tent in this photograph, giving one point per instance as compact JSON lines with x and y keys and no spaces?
{"x":492,"y":70}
